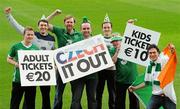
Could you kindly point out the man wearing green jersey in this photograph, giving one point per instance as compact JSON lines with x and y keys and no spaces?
{"x":17,"y":90}
{"x":126,"y":73}
{"x":43,"y":40}
{"x":68,"y":35}
{"x":65,"y":36}
{"x":89,"y":81}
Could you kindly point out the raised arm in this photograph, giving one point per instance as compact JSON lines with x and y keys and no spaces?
{"x":117,"y":45}
{"x":19,"y":28}
{"x":115,"y":56}
{"x":51,"y":16}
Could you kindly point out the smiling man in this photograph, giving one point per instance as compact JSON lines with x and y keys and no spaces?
{"x":43,"y":41}
{"x":17,"y":90}
{"x":107,"y":74}
{"x":156,"y":65}
{"x":65,"y":36}
{"x":89,"y":81}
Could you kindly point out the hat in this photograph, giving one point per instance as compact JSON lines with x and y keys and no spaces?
{"x":85,"y":20}
{"x":43,"y":17}
{"x":116,"y":38}
{"x":106,"y":18}
{"x":115,"y":34}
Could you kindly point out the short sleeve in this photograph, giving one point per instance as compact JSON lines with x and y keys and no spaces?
{"x":12,"y":52}
{"x":112,"y":51}
{"x":57,"y":29}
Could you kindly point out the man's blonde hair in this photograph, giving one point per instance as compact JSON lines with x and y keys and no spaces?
{"x":69,"y":17}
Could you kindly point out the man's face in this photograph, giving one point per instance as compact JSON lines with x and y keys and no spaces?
{"x":69,"y":23}
{"x":107,"y":29}
{"x":153,"y":54}
{"x":86,"y":30}
{"x":116,"y":44}
{"x":43,"y":27}
{"x":28,"y":36}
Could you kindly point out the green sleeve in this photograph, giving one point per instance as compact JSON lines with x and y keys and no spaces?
{"x":36,"y":48}
{"x":57,"y":29}
{"x":81,"y":36}
{"x":112,"y":51}
{"x":12,"y":52}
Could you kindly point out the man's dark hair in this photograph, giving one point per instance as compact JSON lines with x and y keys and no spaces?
{"x":42,"y":20}
{"x":105,"y":23}
{"x":153,"y":46}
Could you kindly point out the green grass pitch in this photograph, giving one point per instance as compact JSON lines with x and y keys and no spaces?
{"x":159,"y":15}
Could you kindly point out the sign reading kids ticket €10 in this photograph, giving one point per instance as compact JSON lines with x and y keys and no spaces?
{"x":82,"y":58}
{"x":135,"y":43}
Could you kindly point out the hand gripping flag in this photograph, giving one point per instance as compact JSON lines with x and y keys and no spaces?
{"x":167,"y":74}
{"x":143,"y":94}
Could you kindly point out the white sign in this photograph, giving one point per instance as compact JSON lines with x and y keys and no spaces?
{"x":36,"y":67}
{"x":82,"y":58}
{"x":135,"y":42}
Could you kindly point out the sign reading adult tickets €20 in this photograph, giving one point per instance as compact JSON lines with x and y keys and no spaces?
{"x":135,"y":42}
{"x":36,"y":67}
{"x":82,"y":58}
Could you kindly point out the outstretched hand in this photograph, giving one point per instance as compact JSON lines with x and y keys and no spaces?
{"x":7,"y":10}
{"x":131,"y":88}
{"x":131,"y":21}
{"x":53,"y":14}
{"x":171,"y":47}
{"x":57,"y":12}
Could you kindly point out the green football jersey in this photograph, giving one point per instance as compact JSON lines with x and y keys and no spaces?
{"x":14,"y":54}
{"x":64,"y":38}
{"x":126,"y":71}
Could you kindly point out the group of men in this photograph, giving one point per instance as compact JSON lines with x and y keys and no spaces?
{"x":119,"y":77}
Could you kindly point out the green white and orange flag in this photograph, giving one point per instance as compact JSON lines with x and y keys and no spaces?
{"x":166,"y":78}
{"x":167,"y":75}
{"x":168,"y":72}
{"x":143,"y":94}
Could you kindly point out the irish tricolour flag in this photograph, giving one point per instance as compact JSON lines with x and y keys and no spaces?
{"x":166,"y":79}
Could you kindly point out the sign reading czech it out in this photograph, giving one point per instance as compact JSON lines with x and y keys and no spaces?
{"x":82,"y":58}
